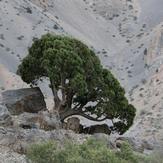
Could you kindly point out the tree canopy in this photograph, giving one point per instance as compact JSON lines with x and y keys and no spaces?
{"x":86,"y":88}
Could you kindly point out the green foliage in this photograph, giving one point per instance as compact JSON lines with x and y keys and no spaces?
{"x":127,"y":153}
{"x":42,"y":153}
{"x":75,"y":71}
{"x":89,"y":152}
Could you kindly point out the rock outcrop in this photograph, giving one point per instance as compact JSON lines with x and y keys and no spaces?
{"x":24,"y":100}
{"x":18,"y":132}
{"x":19,"y":140}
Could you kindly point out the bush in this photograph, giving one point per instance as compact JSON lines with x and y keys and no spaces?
{"x":89,"y":152}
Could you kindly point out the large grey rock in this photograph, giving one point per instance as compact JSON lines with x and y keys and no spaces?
{"x":19,"y":140}
{"x":5,"y":117}
{"x":24,"y":100}
{"x":42,"y":120}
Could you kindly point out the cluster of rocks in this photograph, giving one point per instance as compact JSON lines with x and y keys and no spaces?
{"x":73,"y":124}
{"x":24,"y":120}
{"x":26,"y":108}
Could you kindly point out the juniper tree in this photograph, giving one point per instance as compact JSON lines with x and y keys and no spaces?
{"x":86,"y":88}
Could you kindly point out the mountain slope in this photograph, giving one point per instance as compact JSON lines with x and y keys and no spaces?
{"x":126,"y":35}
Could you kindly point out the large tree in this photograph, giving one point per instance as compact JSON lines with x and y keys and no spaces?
{"x":80,"y":85}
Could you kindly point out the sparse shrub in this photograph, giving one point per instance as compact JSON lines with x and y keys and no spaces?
{"x":89,"y":152}
{"x":42,"y":153}
{"x":29,"y":10}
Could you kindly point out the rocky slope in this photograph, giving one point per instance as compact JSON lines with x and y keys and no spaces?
{"x":126,"y":34}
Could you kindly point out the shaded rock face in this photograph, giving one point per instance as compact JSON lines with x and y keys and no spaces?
{"x":24,"y":100}
{"x":97,"y":129}
{"x":5,"y":117}
{"x":42,"y":120}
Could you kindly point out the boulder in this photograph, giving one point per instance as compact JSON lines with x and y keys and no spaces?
{"x":5,"y":117}
{"x":73,"y":124}
{"x":42,"y":120}
{"x":24,"y":100}
{"x":97,"y":129}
